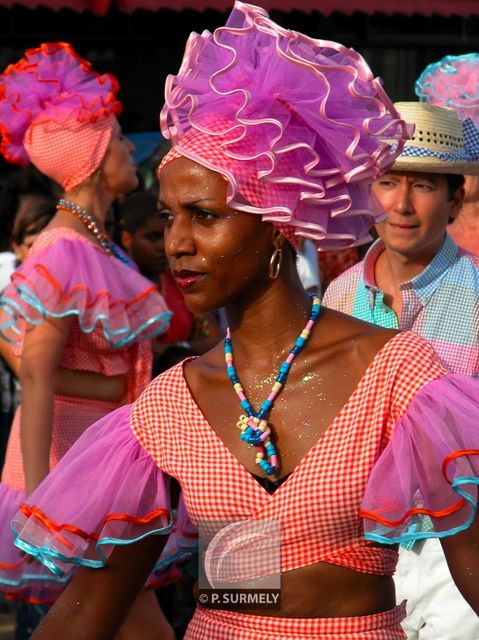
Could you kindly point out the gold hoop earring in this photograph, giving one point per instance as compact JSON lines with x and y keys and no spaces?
{"x":275,"y":263}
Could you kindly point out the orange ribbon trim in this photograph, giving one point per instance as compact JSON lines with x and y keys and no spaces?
{"x":453,"y":456}
{"x":83,"y":288}
{"x":442,"y":513}
{"x":53,"y":526}
{"x":133,"y":519}
{"x":17,"y":597}
{"x":411,"y":512}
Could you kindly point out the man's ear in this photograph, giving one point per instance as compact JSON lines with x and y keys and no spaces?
{"x":456,"y":203}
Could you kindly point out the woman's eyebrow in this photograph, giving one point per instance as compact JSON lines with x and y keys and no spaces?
{"x":187,"y":203}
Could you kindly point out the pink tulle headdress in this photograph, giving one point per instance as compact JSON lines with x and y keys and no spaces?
{"x":299,"y":127}
{"x":57,"y":113}
{"x":452,"y":82}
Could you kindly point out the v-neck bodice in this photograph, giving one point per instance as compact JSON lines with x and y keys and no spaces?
{"x":318,"y":505}
{"x":270,"y":485}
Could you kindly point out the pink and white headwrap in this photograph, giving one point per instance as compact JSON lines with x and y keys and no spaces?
{"x":299,"y":127}
{"x":57,"y":113}
{"x":208,"y":150}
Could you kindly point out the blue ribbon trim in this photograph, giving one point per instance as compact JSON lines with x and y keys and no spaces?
{"x":116,"y":338}
{"x":47,"y":556}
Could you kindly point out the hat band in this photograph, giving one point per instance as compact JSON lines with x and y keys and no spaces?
{"x":470,"y":152}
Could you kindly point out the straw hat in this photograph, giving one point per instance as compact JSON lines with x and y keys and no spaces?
{"x":441,"y":142}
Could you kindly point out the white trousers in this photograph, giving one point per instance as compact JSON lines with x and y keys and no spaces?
{"x":435,"y":608}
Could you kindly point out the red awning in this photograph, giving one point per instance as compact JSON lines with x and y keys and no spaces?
{"x":408,"y":7}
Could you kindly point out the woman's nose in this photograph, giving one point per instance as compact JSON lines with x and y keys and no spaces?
{"x":179,"y":238}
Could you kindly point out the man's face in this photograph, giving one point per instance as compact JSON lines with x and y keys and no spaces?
{"x":418,"y":209}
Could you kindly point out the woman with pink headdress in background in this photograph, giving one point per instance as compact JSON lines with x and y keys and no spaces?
{"x":307,"y":440}
{"x":79,"y":317}
{"x":453,"y":82}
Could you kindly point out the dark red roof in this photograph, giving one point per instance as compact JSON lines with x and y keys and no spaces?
{"x":408,"y":7}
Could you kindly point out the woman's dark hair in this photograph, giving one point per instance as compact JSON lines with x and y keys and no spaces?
{"x":16,"y":182}
{"x":34,"y":217}
{"x":136,"y":210}
{"x":454,"y":182}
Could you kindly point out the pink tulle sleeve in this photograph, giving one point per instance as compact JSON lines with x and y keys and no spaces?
{"x":425,"y":482}
{"x":71,"y":276}
{"x":104,"y":492}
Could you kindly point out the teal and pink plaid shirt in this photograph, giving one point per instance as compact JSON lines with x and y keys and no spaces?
{"x":441,"y":304}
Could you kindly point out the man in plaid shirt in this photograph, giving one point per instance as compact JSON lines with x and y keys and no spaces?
{"x":414,"y":277}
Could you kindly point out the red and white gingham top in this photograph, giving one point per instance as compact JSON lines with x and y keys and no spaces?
{"x":318,"y":505}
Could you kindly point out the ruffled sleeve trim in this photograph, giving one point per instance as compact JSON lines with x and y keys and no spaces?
{"x":71,"y":276}
{"x":425,"y":483}
{"x":122,"y":498}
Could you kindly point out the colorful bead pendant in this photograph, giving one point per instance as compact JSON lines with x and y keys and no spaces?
{"x":254,"y":427}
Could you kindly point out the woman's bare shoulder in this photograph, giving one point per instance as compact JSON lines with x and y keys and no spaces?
{"x":338,"y":326}
{"x":350,"y":341}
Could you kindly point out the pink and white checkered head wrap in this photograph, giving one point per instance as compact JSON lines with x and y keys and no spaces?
{"x":57,"y":113}
{"x":207,"y":150}
{"x":71,"y":151}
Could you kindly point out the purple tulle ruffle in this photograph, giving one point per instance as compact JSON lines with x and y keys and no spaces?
{"x":74,"y":277}
{"x":105,"y":491}
{"x":425,"y":482}
{"x":303,"y":124}
{"x":51,"y":83}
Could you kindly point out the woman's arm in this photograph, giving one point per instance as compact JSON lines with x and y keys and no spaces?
{"x":96,"y":601}
{"x":42,"y":351}
{"x":80,"y":384}
{"x":462,"y":555}
{"x":6,"y":353}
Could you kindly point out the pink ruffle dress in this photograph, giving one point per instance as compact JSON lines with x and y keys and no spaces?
{"x":400,"y":461}
{"x":117,"y":312}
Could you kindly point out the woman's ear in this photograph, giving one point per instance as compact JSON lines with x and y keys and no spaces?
{"x":278,"y":239}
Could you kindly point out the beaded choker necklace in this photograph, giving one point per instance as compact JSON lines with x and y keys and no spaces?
{"x":254,"y":426}
{"x":90,"y":223}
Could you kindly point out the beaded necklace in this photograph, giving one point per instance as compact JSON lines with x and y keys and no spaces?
{"x":90,"y":223}
{"x":254,"y":426}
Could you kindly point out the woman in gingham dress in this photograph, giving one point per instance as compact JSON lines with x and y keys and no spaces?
{"x":78,"y":313}
{"x":308,"y":443}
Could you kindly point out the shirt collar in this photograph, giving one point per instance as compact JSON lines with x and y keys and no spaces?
{"x":425,"y":283}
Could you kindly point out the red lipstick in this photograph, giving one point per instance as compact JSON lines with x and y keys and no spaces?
{"x":186,"y":279}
